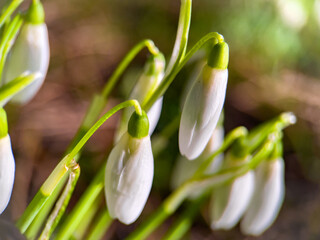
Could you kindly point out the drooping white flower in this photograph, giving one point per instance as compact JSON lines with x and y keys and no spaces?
{"x":204,"y":104}
{"x":128,"y":177}
{"x":230,"y":201}
{"x":144,"y":88}
{"x":30,"y":53}
{"x":7,"y":171}
{"x":185,"y":169}
{"x":267,"y":199}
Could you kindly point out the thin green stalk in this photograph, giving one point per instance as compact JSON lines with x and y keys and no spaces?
{"x":100,"y":100}
{"x":181,"y":42}
{"x":125,"y":62}
{"x":104,"y":118}
{"x":83,"y":205}
{"x":84,"y":225}
{"x":62,"y":203}
{"x":34,"y":228}
{"x":170,"y":77}
{"x":184,"y":223}
{"x":10,"y":9}
{"x":100,"y":226}
{"x":171,"y":203}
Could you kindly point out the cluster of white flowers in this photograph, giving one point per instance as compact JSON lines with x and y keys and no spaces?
{"x":256,"y":197}
{"x":29,"y":55}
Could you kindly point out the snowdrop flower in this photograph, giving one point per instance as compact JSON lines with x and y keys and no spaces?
{"x":267,"y":199}
{"x":7,"y":164}
{"x":185,"y":169}
{"x":204,"y":103}
{"x":30,"y":53}
{"x":129,"y":172}
{"x":144,"y":88}
{"x":230,"y":201}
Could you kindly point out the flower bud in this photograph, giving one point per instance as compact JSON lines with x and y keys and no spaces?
{"x":143,"y":90}
{"x":30,"y":53}
{"x":267,"y":199}
{"x":230,"y":201}
{"x":128,"y":177}
{"x":204,"y":103}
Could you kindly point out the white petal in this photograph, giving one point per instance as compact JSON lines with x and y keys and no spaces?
{"x":229,"y":202}
{"x":201,"y":112}
{"x":128,"y":178}
{"x":267,"y":199}
{"x":7,"y":170}
{"x":30,"y":53}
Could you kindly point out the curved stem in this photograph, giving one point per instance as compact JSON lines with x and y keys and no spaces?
{"x":170,"y":77}
{"x":180,"y":45}
{"x":104,"y":118}
{"x":62,"y":169}
{"x":100,"y":100}
{"x":125,"y":62}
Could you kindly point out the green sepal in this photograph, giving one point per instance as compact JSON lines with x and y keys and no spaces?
{"x":3,"y":123}
{"x":35,"y":14}
{"x":155,"y":64}
{"x":219,"y":56}
{"x":138,"y":126}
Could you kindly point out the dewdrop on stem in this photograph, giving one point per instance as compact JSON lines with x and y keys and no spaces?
{"x":146,"y":85}
{"x":7,"y":164}
{"x":30,"y":53}
{"x":129,"y":171}
{"x":204,"y":103}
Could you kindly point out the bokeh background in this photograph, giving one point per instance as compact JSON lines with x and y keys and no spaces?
{"x":274,"y":67}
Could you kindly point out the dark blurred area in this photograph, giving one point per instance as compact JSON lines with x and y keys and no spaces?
{"x":274,"y":67}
